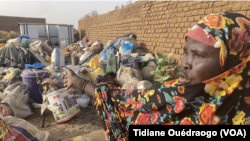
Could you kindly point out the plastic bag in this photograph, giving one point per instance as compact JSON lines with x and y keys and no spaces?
{"x":52,"y":69}
{"x":24,"y":37}
{"x":48,"y":58}
{"x":81,"y":44}
{"x":16,"y":40}
{"x":38,"y":66}
{"x":2,"y":45}
{"x":126,"y":74}
{"x":94,"y":62}
{"x":103,"y":63}
{"x":11,"y":73}
{"x":77,"y":92}
{"x":97,"y":47}
{"x":83,"y":101}
{"x":84,"y":56}
{"x":79,"y":70}
{"x":95,"y":73}
{"x":131,"y":85}
{"x":129,"y":61}
{"x":40,"y":47}
{"x":16,"y":98}
{"x":16,"y":129}
{"x":4,"y":36}
{"x":54,"y":82}
{"x":144,"y":85}
{"x":25,"y":42}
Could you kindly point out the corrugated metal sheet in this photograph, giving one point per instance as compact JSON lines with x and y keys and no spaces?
{"x":65,"y":37}
{"x":60,"y":33}
{"x":30,"y":30}
{"x":42,"y":33}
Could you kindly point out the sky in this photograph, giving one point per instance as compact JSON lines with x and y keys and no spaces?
{"x":57,"y":12}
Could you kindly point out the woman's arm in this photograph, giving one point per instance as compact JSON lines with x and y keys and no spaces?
{"x":89,"y":89}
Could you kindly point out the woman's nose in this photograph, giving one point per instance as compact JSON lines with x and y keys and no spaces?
{"x":186,"y":63}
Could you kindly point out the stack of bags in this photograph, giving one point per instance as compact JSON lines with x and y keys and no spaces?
{"x":5,"y":36}
{"x":68,"y":50}
{"x":130,"y":66}
{"x":134,"y":71}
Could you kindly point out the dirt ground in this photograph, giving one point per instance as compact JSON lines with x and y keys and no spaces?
{"x":85,"y":122}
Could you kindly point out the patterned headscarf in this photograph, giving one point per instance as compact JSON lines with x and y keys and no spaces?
{"x":224,"y":99}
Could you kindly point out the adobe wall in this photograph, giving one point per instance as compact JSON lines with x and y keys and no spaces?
{"x":159,"y":25}
{"x":8,"y":23}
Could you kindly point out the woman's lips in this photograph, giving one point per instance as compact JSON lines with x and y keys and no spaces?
{"x":183,"y":78}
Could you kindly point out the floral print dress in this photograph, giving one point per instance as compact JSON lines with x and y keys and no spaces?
{"x":224,"y":99}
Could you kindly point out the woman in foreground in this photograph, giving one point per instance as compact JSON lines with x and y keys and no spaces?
{"x":213,"y":87}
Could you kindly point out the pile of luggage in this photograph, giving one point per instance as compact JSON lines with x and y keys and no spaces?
{"x":31,"y":75}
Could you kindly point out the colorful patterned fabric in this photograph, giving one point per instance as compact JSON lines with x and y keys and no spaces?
{"x":111,"y":66}
{"x":107,"y":79}
{"x":224,"y":99}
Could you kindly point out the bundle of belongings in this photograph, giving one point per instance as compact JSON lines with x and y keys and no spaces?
{"x":91,"y":52}
{"x":41,"y":48}
{"x":14,"y":56}
{"x":51,"y":43}
{"x":25,"y":40}
{"x":77,"y":54}
{"x":114,"y":45}
{"x":14,"y":107}
{"x":11,"y":74}
{"x":84,"y":42}
{"x":22,"y":50}
{"x":130,"y":74}
{"x":17,"y":129}
{"x":15,"y":100}
{"x":21,"y":40}
{"x":71,"y":99}
{"x":96,"y":47}
{"x":71,"y":48}
{"x":5,"y":36}
{"x":120,"y":59}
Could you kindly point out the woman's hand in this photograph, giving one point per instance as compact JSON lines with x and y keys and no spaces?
{"x":72,"y":80}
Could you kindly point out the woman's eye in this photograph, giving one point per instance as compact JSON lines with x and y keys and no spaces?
{"x":198,"y":55}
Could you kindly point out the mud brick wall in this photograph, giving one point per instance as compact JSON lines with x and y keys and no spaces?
{"x":160,"y":26}
{"x":8,"y":23}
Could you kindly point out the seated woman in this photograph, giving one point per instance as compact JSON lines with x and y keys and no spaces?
{"x":213,"y":87}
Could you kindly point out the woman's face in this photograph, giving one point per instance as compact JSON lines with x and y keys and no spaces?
{"x":200,"y":63}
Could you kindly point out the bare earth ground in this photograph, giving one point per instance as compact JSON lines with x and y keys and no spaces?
{"x":85,"y":122}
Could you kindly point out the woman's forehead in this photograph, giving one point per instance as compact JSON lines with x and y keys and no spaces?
{"x":197,"y":46}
